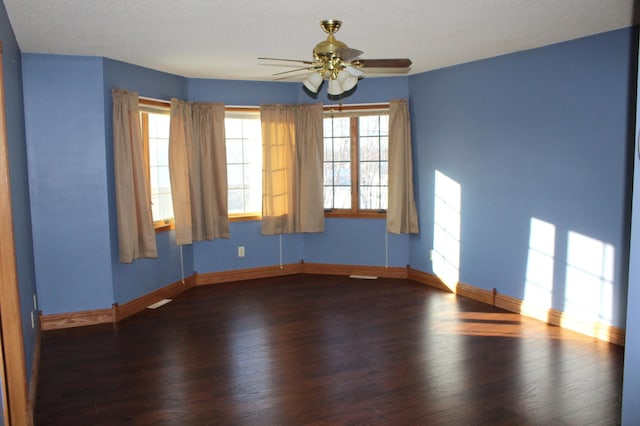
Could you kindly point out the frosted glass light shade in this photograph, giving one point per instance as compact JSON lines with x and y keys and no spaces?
{"x":335,"y":88}
{"x":313,"y":82}
{"x":347,"y":80}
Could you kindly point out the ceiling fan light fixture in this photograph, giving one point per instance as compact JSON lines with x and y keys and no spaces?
{"x":347,"y":80}
{"x":341,"y":65}
{"x":335,"y":88}
{"x":313,"y":81}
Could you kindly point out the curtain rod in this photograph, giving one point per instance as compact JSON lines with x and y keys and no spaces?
{"x":337,"y":107}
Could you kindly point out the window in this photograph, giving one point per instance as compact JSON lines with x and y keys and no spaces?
{"x":356,"y":164}
{"x":244,"y":163}
{"x":155,"y":135}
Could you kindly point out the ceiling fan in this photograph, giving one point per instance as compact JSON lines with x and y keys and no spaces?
{"x":341,"y":65}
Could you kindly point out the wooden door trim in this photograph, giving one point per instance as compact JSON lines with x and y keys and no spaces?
{"x":12,"y":340}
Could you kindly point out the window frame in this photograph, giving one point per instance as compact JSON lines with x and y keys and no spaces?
{"x":354,"y":112}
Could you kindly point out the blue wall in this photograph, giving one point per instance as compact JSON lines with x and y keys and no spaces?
{"x":68,"y":181}
{"x":17,"y":152}
{"x":537,"y":134}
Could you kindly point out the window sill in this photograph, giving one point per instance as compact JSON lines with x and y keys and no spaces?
{"x":363,"y":214}
{"x":163,"y":227}
{"x":245,"y":217}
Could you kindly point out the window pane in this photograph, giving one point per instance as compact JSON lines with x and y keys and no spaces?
{"x":384,"y":197}
{"x":165,"y":209}
{"x":369,"y":125}
{"x":341,"y":149}
{"x":235,"y":178}
{"x":342,"y":174}
{"x":370,"y":173}
{"x":164,"y":183}
{"x":328,"y":174}
{"x":384,"y":148}
{"x":328,"y":197}
{"x":369,"y":148}
{"x":234,"y":151}
{"x":327,"y":127}
{"x":384,"y":125}
{"x":342,"y":197}
{"x":233,"y":128}
{"x":328,"y":149}
{"x":159,"y":126}
{"x":341,"y":127}
{"x":161,"y":148}
{"x":384,"y":173}
{"x":236,"y":200}
{"x":370,"y":197}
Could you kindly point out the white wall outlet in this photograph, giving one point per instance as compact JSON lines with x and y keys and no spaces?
{"x":240,"y":251}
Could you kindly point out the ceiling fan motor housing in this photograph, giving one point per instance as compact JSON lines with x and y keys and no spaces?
{"x":326,"y":51}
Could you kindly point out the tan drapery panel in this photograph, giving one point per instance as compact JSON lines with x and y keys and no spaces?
{"x":136,"y":234}
{"x":402,"y":217}
{"x":292,"y":199}
{"x":198,"y":171}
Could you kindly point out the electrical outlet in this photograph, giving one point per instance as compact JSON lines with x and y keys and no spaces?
{"x":240,"y":251}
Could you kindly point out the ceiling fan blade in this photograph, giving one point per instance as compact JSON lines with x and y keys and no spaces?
{"x":348,"y":54}
{"x":286,"y":60}
{"x":384,"y":63}
{"x":297,"y":70}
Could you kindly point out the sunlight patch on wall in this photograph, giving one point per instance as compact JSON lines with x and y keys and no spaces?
{"x":445,"y":256}
{"x":589,"y":284}
{"x":538,"y":291}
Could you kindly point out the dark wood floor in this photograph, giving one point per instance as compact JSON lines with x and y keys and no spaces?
{"x":326,"y":350}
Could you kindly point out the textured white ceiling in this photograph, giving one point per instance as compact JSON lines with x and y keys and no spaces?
{"x":222,"y":39}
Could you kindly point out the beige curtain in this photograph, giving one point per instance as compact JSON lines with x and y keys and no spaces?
{"x":136,"y":234}
{"x":402,"y":217}
{"x":292,"y":199}
{"x":198,"y":171}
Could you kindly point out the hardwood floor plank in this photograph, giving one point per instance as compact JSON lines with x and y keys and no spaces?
{"x":308,"y":349}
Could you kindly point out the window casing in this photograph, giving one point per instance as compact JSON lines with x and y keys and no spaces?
{"x":356,"y":163}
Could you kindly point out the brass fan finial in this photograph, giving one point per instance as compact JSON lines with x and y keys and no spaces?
{"x":330,"y":26}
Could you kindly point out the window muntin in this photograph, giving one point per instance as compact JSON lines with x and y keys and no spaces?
{"x":356,"y":163}
{"x":244,"y":163}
